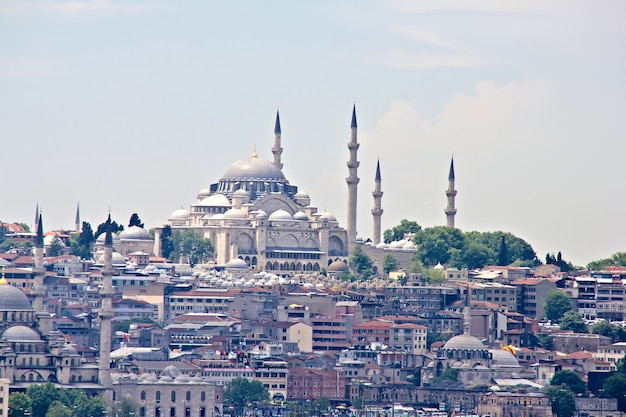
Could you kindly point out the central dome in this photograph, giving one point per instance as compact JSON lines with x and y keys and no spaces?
{"x":464,"y":342}
{"x":253,"y":169}
{"x":12,"y":299}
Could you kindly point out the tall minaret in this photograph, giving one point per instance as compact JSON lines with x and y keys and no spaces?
{"x":451,"y":194}
{"x":377,"y":211}
{"x":352,"y":181}
{"x":106,"y":311}
{"x":39,"y":291}
{"x":277,"y":150}
{"x":36,"y":216}
{"x":77,"y":223}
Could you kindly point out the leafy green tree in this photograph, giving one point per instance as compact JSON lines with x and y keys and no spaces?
{"x":242,"y":391}
{"x":556,"y":305}
{"x":477,"y":255}
{"x":135,"y":221}
{"x":617,"y":259}
{"x":398,"y":232}
{"x":416,"y":266}
{"x":573,"y":321}
{"x":20,"y":405}
{"x":434,"y":244}
{"x":167,"y":242}
{"x":58,"y":409}
{"x":56,"y":247}
{"x":390,"y":263}
{"x":615,"y":386}
{"x":546,"y":341}
{"x":517,"y":249}
{"x":604,"y":328}
{"x":126,"y":407}
{"x":102,"y":227}
{"x":360,"y":263}
{"x":449,"y":374}
{"x":320,"y":406}
{"x":81,"y":243}
{"x":562,"y":401}
{"x":570,"y":379}
{"x":435,"y":276}
{"x":42,"y":396}
{"x":192,"y":245}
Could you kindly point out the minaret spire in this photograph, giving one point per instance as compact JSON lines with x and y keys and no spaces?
{"x":106,"y":310}
{"x":77,"y":222}
{"x":352,"y":181}
{"x":36,"y":216}
{"x":277,"y":150}
{"x":451,"y":194}
{"x":39,"y":291}
{"x":377,"y":211}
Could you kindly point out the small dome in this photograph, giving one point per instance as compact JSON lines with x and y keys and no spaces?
{"x":464,"y":342}
{"x":13,"y":299}
{"x":280,"y":215}
{"x":382,"y":245}
{"x":69,"y":350}
{"x":328,"y":216}
{"x":102,"y":237}
{"x":503,"y":358}
{"x":438,"y":266}
{"x":301,"y":194}
{"x":409,"y":246}
{"x":396,"y":244}
{"x":261,"y":215}
{"x":171,"y":371}
{"x":216,"y":200}
{"x":20,"y":334}
{"x":236,"y":263}
{"x":241,"y":193}
{"x":47,"y":240}
{"x":204,"y":193}
{"x":181,"y":214}
{"x":300,"y":216}
{"x":338,"y":266}
{"x":135,"y":233}
{"x":234,"y":214}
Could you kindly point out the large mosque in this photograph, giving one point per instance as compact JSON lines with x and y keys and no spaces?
{"x":253,"y":214}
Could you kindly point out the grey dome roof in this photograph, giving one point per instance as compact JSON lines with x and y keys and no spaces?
{"x":338,"y":266}
{"x":234,"y":214}
{"x":253,"y":169}
{"x":464,"y":342}
{"x":300,"y":216}
{"x":135,"y":233}
{"x":281,"y":215}
{"x":20,"y":334}
{"x":102,"y":236}
{"x":12,"y":299}
{"x":237,"y":263}
{"x":181,"y":213}
{"x":503,"y":358}
{"x":215,"y":200}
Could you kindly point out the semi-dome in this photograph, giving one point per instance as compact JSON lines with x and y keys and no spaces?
{"x":464,"y":342}
{"x":20,"y":334}
{"x":135,"y":233}
{"x":330,"y":217}
{"x":241,"y":193}
{"x":216,"y":200}
{"x":253,"y":169}
{"x":234,"y":214}
{"x":13,"y":299}
{"x":181,"y":213}
{"x":280,"y":215}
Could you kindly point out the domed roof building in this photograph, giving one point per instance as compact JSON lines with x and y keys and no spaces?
{"x":255,"y":214}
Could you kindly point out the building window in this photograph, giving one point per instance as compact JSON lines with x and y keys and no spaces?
{"x":203,"y":396}
{"x":173,"y":396}
{"x":158,"y":396}
{"x":172,"y":411}
{"x":143,"y":396}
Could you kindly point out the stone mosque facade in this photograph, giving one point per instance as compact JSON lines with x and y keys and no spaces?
{"x":254,"y":214}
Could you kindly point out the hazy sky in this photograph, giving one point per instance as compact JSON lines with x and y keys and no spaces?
{"x":137,"y":106}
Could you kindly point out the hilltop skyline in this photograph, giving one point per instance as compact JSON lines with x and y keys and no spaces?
{"x":137,"y":106}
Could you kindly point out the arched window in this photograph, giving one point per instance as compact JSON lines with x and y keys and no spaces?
{"x":203,"y":396}
{"x":188,"y":396}
{"x":173,"y":396}
{"x":158,"y":396}
{"x":143,"y":396}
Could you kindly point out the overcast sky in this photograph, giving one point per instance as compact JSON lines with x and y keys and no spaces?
{"x":137,"y":106}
